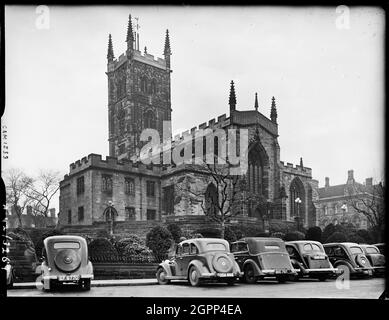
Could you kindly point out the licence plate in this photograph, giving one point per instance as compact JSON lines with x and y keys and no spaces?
{"x":225,"y":274}
{"x":72,"y":277}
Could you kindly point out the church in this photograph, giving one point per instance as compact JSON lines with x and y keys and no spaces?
{"x":139,"y":98}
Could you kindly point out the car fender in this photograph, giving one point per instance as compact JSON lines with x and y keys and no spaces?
{"x":165,"y":265}
{"x":236,"y":267}
{"x":199,"y":265}
{"x":257,"y":271}
{"x":344,"y":262}
{"x":90,"y":268}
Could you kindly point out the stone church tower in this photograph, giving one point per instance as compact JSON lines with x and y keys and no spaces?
{"x":138,"y":94}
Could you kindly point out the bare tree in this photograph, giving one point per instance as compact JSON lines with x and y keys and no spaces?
{"x":369,"y":201}
{"x":217,"y":205}
{"x":42,"y":192}
{"x":17,"y":183}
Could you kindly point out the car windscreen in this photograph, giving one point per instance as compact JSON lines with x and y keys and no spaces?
{"x":66,"y":245}
{"x":371,"y":250}
{"x":216,"y":246}
{"x":258,"y":246}
{"x":311,"y":247}
{"x":356,"y":250}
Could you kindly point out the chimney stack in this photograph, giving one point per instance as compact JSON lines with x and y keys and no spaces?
{"x":369,"y":182}
{"x":327,"y":182}
{"x":350,"y":178}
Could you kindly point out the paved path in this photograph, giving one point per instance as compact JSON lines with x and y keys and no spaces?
{"x":364,"y":288}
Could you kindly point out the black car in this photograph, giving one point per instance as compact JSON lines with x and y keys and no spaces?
{"x":349,"y":257}
{"x":376,"y":259}
{"x":261,"y":258}
{"x":310,"y":259}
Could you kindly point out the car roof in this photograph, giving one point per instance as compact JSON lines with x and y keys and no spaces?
{"x":259,"y":239}
{"x":302,"y":242}
{"x":64,"y":238}
{"x":203,"y":240}
{"x":346,"y":244}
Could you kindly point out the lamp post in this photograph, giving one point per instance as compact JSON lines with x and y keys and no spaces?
{"x":344,"y":209}
{"x":110,"y":213}
{"x":298,"y":202}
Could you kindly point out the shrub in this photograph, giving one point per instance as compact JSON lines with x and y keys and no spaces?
{"x":176,"y":232}
{"x":294,"y":235}
{"x":328,"y":231}
{"x":365,"y":235}
{"x":159,"y":240}
{"x":102,"y":233}
{"x":356,"y":238}
{"x":102,"y":247}
{"x":313,"y":233}
{"x":39,"y":244}
{"x":229,"y":235}
{"x":279,"y":235}
{"x":337,"y":237}
{"x":262,"y":234}
{"x":133,"y":240}
{"x":209,"y":232}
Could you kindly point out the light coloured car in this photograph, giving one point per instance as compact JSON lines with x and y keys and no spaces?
{"x":198,"y":260}
{"x":65,"y":261}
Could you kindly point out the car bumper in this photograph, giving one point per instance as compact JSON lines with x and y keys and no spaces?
{"x":275,"y":272}
{"x":320,"y":270}
{"x":216,"y":275}
{"x":56,"y":277}
{"x":364,"y":271}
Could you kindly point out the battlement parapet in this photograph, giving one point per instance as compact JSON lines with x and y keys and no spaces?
{"x":297,"y":169}
{"x":222,"y":122}
{"x":112,"y":163}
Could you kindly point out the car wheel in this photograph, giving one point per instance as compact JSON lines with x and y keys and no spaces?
{"x":322,"y":278}
{"x":282,"y":279}
{"x":161,"y":276}
{"x":346,"y":270}
{"x":230,"y":282}
{"x":86,"y":284}
{"x":194,"y":277}
{"x":249,"y":275}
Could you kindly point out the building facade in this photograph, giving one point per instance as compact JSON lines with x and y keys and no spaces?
{"x":139,"y":90}
{"x":344,"y":203}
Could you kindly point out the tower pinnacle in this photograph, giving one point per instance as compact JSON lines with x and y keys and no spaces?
{"x":167,"y":51}
{"x":232,"y":99}
{"x":256,"y":102}
{"x":130,"y":34}
{"x":110,"y":55}
{"x":273,"y":111}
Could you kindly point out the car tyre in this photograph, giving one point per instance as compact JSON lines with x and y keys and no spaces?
{"x":161,"y":276}
{"x":282,"y":279}
{"x":231,"y":282}
{"x":346,"y":269}
{"x":249,"y":275}
{"x":86,"y":284}
{"x":322,"y":278}
{"x":194,"y":277}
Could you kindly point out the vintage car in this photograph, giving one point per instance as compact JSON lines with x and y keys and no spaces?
{"x":381,"y":247}
{"x":65,"y":261}
{"x":376,"y":259}
{"x":260,"y":258}
{"x":310,"y":259}
{"x":198,"y":260}
{"x":349,"y":257}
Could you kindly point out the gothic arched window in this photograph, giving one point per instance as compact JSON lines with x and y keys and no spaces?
{"x":153,"y":87}
{"x":255,"y":172}
{"x":211,"y":199}
{"x":143,"y":84}
{"x":122,"y":119}
{"x":150,"y":120}
{"x":297,"y":191}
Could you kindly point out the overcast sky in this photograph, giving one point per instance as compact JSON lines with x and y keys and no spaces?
{"x":328,"y":82}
